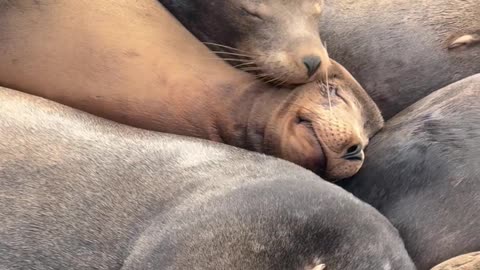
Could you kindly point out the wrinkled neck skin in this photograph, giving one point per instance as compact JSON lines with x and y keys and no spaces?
{"x":134,"y":64}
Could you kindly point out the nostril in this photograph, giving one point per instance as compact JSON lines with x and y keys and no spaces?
{"x":353,"y":149}
{"x":312,"y":63}
{"x":354,"y":152}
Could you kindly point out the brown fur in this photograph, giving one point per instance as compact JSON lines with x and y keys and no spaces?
{"x":133,"y":63}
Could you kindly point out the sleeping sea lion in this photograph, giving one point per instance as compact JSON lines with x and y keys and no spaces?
{"x":81,"y":192}
{"x":423,"y":174}
{"x":401,"y":51}
{"x":132,"y":62}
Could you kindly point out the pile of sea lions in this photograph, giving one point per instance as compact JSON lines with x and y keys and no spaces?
{"x":194,"y":134}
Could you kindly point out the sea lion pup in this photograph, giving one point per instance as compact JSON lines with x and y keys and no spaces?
{"x":400,"y":51}
{"x":278,"y":40}
{"x":111,"y":59}
{"x":81,"y":192}
{"x":423,"y":174}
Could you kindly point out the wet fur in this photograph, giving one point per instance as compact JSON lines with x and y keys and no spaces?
{"x":80,"y":192}
{"x":398,"y":50}
{"x":423,"y":174}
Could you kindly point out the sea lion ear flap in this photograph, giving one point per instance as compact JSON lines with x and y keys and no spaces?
{"x":320,"y":267}
{"x":469,"y":39}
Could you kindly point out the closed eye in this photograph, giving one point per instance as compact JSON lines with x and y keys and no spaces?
{"x":252,"y":14}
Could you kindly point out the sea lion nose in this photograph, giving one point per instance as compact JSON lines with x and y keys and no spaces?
{"x":312,"y":63}
{"x":354,"y":153}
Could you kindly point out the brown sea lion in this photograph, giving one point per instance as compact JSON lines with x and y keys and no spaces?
{"x":132,"y":62}
{"x":403,"y":50}
{"x":80,"y":192}
{"x":423,"y":174}
{"x":278,"y":40}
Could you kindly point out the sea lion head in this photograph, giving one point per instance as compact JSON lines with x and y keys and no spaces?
{"x":325,"y":126}
{"x":277,"y":40}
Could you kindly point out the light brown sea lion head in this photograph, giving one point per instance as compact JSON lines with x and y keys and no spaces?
{"x":325,"y":126}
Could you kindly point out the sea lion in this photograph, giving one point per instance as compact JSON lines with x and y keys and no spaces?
{"x":400,"y":51}
{"x":276,"y":40}
{"x":162,"y":78}
{"x":423,"y":174}
{"x":470,"y":261}
{"x":81,"y":192}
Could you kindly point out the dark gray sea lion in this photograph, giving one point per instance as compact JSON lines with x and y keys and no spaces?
{"x":423,"y":174}
{"x":401,"y":51}
{"x":276,"y":39}
{"x":81,"y":192}
{"x":132,"y":62}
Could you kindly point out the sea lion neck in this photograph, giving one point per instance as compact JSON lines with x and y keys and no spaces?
{"x":143,"y":71}
{"x":248,"y":111}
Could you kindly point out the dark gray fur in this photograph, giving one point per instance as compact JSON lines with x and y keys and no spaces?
{"x":80,"y":192}
{"x":398,"y":50}
{"x":423,"y":173}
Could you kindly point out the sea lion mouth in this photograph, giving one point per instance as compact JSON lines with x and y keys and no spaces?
{"x":322,"y":160}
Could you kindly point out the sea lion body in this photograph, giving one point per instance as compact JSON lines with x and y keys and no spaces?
{"x":162,"y":78}
{"x":277,"y":40}
{"x":423,"y":174}
{"x":399,"y":50}
{"x":81,"y":192}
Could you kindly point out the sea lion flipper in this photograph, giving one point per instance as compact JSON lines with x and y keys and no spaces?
{"x":320,"y":267}
{"x":468,"y":39}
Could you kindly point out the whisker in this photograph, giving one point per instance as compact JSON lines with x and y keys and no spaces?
{"x":326,"y":50}
{"x":285,"y":80}
{"x":235,"y":60}
{"x":250,"y":68}
{"x":273,"y":80}
{"x":254,"y":81}
{"x":328,"y":92}
{"x":224,"y":46}
{"x":229,"y":53}
{"x":244,"y":64}
{"x":227,"y":59}
{"x":279,"y":81}
{"x":263,"y":75}
{"x":288,"y":76}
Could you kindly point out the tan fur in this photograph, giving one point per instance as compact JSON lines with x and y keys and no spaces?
{"x":465,"y":40}
{"x":470,"y":261}
{"x":320,"y":267}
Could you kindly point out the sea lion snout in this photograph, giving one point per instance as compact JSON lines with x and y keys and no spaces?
{"x":312,"y":63}
{"x":292,"y":58}
{"x":311,"y":58}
